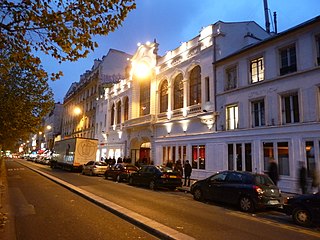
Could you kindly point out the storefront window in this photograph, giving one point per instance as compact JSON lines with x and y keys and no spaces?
{"x":267,"y":154}
{"x":310,"y":157}
{"x":230,"y":156}
{"x":198,"y":157}
{"x":283,"y":158}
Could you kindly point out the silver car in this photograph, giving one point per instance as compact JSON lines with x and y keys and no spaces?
{"x":94,"y":168}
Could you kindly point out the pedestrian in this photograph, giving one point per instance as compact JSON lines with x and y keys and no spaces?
{"x":178,"y":167}
{"x":302,"y":177}
{"x":273,"y":171}
{"x":187,"y":173}
{"x":315,"y":181}
{"x":169,"y":164}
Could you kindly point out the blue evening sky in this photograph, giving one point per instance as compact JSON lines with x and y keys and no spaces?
{"x":173,"y":21}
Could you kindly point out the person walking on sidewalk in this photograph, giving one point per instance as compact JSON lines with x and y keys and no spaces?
{"x":187,"y":173}
{"x":302,"y":177}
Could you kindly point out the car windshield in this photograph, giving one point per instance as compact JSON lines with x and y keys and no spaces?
{"x":131,"y":167}
{"x":101,"y":164}
{"x":263,"y":180}
{"x":165,"y":169}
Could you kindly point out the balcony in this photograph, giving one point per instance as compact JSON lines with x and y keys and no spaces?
{"x":140,"y":121}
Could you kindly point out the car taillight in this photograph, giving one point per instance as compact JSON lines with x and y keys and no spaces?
{"x":165,"y":176}
{"x":257,"y":189}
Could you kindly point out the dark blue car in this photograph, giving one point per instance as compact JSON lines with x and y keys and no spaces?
{"x":250,"y":191}
{"x":304,"y":209}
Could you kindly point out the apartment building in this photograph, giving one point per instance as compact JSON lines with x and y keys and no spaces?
{"x":268,"y":98}
{"x":80,"y":118}
{"x":231,"y":98}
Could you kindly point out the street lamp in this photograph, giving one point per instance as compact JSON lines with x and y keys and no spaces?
{"x":77,"y":112}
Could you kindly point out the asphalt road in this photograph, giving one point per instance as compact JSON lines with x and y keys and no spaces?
{"x":44,"y":210}
{"x":176,"y":210}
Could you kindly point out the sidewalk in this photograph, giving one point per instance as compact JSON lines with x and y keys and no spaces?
{"x":186,"y":188}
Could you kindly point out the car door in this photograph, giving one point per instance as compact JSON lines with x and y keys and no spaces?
{"x":214,"y":186}
{"x":233,"y":187}
{"x":139,"y":176}
{"x":87,"y":167}
{"x":314,"y":205}
{"x":148,"y":174}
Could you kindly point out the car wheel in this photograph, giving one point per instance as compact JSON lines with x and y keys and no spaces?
{"x":246,"y":204}
{"x":118,"y":178}
{"x":198,"y":195}
{"x":152,"y":185}
{"x":301,"y":217}
{"x":130,"y":181}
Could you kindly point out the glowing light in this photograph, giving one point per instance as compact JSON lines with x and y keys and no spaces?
{"x":49,"y":127}
{"x":138,"y":44}
{"x":184,"y":125}
{"x":184,"y":112}
{"x":168,"y":127}
{"x":120,"y":134}
{"x":142,"y":70}
{"x":77,"y":111}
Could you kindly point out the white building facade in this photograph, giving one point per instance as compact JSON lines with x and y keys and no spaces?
{"x":231,"y":98}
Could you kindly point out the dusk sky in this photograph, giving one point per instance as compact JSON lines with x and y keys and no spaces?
{"x":171,"y":22}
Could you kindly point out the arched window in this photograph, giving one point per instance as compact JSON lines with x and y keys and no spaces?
{"x":126,"y":109}
{"x":178,"y":92}
{"x":195,"y":86}
{"x":112,"y":115}
{"x":145,"y":97}
{"x":164,"y":96}
{"x":119,"y":112}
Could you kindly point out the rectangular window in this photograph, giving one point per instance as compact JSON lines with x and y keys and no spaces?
{"x":231,"y":78}
{"x":239,"y":157}
{"x":318,"y":49}
{"x":230,"y":157}
{"x":199,"y":157}
{"x":288,"y":61}
{"x":290,"y":108}
{"x":236,"y":155}
{"x":207,"y":87}
{"x":232,"y":117}
{"x":310,"y":157}
{"x":258,"y":113}
{"x":257,"y":70}
{"x":248,"y":157}
{"x":182,"y":153}
{"x":267,"y":154}
{"x":283,"y":158}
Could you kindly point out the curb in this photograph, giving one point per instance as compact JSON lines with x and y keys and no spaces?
{"x":151,"y":226}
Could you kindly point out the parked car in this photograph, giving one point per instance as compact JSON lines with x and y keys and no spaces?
{"x":94,"y":168}
{"x":250,"y":191}
{"x":120,"y":171}
{"x":155,"y":177}
{"x":304,"y":209}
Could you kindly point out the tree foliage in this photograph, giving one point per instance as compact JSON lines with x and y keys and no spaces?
{"x":24,"y":100}
{"x":60,"y":28}
{"x":63,"y":29}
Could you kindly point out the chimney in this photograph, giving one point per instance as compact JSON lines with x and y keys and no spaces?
{"x":275,"y":22}
{"x":266,"y":15}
